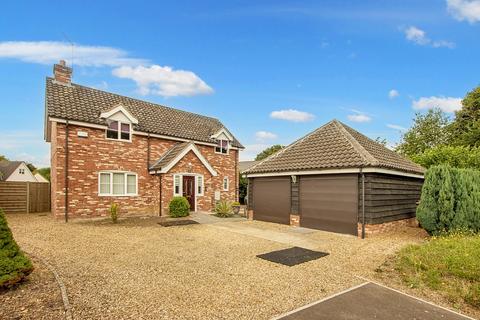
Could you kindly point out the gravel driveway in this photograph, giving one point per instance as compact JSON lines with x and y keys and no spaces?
{"x":204,"y":271}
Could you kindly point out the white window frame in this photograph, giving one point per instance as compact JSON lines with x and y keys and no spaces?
{"x":21,"y":171}
{"x":199,"y":178}
{"x":120,"y":131}
{"x":220,"y":141}
{"x":225,"y":179}
{"x":125,"y":182}
{"x":180,"y":185}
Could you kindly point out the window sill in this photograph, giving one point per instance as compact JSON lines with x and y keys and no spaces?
{"x":118,"y":195}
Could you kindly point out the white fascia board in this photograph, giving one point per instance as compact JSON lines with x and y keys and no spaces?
{"x":122,"y":109}
{"x":334,"y":171}
{"x":225,"y":132}
{"x":191,"y":147}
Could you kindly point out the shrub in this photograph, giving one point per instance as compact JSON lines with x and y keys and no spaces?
{"x":223,"y":209}
{"x":450,"y":200}
{"x":235,"y":203}
{"x":455,"y":156}
{"x":114,"y":212}
{"x":14,"y":265}
{"x":179,"y":207}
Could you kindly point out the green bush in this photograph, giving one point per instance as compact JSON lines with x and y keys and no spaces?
{"x":179,"y":207}
{"x":455,"y":156}
{"x":114,"y":212}
{"x":14,"y":265}
{"x":223,"y":209}
{"x":450,"y":200}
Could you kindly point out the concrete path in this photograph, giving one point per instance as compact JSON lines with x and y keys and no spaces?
{"x":372,"y":301}
{"x":292,"y":238}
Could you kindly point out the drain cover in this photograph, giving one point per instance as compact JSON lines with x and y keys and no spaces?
{"x":174,"y":223}
{"x":292,"y":256}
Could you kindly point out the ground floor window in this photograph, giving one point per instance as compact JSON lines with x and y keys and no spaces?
{"x":116,"y":183}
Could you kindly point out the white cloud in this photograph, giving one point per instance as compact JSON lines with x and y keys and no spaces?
{"x":14,"y":144}
{"x":265,"y":135}
{"x":164,"y":81}
{"x":151,"y":79}
{"x":465,"y":10}
{"x":392,"y":94}
{"x":420,"y":37}
{"x":446,"y":104}
{"x":396,"y":127}
{"x":292,"y":115}
{"x":251,"y":151}
{"x":359,"y":118}
{"x":49,"y":52}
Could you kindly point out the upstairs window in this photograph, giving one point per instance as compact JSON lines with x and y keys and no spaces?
{"x":222,"y":146}
{"x":118,"y":131}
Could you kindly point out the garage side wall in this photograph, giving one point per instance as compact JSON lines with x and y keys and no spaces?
{"x":389,"y":198}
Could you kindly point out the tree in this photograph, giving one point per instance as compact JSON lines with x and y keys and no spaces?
{"x":2,"y":157}
{"x":381,"y":141}
{"x":242,"y":188}
{"x":268,"y":152}
{"x":44,"y":172}
{"x":428,"y":131}
{"x":466,"y":126}
{"x":455,"y":156}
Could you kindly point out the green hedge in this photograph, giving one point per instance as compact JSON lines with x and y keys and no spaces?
{"x":14,"y":265}
{"x":455,"y":156}
{"x":450,"y":200}
{"x":179,"y":207}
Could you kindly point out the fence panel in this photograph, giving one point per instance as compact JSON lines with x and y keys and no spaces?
{"x":24,"y":197}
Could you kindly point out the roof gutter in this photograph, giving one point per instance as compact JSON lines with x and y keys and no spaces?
{"x":335,"y":171}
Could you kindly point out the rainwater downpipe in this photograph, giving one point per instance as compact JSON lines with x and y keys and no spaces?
{"x":66,"y":169}
{"x":363,"y":202}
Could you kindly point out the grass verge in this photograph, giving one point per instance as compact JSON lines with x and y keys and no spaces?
{"x":449,"y":265}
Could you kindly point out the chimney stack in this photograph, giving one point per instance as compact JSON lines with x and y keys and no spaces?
{"x":62,"y":73}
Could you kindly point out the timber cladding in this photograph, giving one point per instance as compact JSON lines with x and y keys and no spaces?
{"x":24,"y":197}
{"x":389,"y":198}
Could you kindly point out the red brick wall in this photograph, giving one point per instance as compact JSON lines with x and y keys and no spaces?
{"x":88,"y":156}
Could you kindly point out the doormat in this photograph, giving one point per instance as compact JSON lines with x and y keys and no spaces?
{"x":174,"y":223}
{"x":292,"y":256}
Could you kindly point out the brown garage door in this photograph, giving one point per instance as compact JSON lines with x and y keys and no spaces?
{"x":271,"y":199}
{"x":329,"y":202}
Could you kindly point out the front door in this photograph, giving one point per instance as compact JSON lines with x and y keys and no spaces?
{"x":189,"y":190}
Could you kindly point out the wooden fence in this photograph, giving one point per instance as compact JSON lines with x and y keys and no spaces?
{"x":24,"y":197}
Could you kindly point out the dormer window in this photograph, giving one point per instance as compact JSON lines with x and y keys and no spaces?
{"x":118,"y":130}
{"x":222,"y":146}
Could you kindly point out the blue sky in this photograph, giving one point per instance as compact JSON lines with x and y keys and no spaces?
{"x":271,"y":71}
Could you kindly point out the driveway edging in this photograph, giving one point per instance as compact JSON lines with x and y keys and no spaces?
{"x":61,"y":285}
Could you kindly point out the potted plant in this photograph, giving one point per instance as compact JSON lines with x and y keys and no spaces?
{"x":236,"y":207}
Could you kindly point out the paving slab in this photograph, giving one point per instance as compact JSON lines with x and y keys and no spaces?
{"x":372,"y":301}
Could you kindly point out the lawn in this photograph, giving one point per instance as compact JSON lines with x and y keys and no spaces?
{"x":448,"y":265}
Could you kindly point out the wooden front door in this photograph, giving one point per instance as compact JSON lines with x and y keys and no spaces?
{"x":189,"y":190}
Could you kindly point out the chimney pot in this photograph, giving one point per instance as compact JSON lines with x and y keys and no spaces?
{"x":62,"y":73}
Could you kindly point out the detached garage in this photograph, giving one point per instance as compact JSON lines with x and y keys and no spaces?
{"x":338,"y":180}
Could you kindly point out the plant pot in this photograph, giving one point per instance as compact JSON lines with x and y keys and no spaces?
{"x":236,"y":209}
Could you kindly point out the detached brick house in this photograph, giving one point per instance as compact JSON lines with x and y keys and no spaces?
{"x":131,"y":152}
